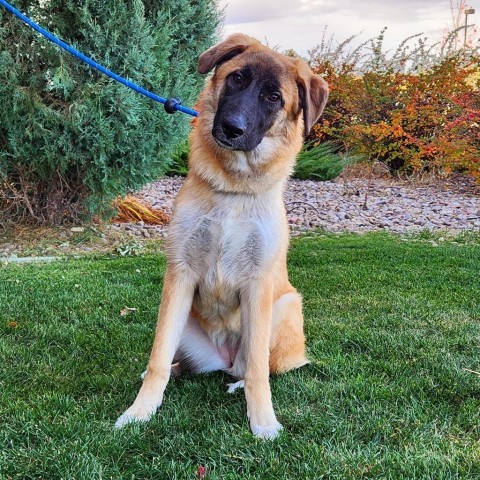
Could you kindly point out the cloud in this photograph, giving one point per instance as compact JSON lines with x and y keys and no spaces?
{"x":250,"y":11}
{"x":299,"y":24}
{"x":247,"y":11}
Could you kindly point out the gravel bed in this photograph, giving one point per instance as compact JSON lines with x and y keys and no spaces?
{"x":357,"y":205}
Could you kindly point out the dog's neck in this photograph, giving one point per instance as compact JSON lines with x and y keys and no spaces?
{"x":229,"y":171}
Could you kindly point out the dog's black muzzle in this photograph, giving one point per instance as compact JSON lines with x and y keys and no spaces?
{"x":233,"y":131}
{"x":238,"y":123}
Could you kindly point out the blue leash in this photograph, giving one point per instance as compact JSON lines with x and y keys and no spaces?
{"x":171,"y":105}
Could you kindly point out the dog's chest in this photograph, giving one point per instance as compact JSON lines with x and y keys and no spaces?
{"x":234,"y":252}
{"x":225,"y":248}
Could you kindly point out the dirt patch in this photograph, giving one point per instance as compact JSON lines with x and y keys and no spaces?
{"x":88,"y":239}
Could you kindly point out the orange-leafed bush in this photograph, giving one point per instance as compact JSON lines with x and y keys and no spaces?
{"x":412,"y":122}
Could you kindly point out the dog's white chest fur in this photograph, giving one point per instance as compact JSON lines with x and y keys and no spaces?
{"x":225,"y":244}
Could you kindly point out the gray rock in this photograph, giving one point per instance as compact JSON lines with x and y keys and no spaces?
{"x":338,"y":206}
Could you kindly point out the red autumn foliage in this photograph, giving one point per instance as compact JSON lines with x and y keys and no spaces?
{"x":428,"y":121}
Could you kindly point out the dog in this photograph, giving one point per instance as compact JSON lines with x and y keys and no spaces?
{"x":227,"y":303}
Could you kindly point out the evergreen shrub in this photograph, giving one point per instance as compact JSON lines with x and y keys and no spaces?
{"x":322,"y":161}
{"x":179,"y":163}
{"x":71,"y":139}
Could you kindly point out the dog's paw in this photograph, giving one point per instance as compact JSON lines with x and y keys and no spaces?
{"x":266,"y":432}
{"x":126,"y":418}
{"x":234,"y":386}
{"x":135,"y":414}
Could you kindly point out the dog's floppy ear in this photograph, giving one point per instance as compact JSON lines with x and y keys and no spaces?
{"x":223,"y":51}
{"x":313,"y":92}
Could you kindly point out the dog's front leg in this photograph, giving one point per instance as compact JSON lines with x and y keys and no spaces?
{"x":257,"y":324}
{"x":173,"y":314}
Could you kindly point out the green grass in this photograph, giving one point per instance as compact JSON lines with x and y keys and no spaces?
{"x":391,"y":325}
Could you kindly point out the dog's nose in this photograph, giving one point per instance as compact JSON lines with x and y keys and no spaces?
{"x":234,"y":127}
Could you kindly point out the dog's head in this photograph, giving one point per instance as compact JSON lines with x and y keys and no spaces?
{"x":258,"y":93}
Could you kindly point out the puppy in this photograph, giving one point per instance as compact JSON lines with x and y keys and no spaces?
{"x":227,"y":303}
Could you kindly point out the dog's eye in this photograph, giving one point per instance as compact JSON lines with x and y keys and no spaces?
{"x":237,"y":78}
{"x":273,"y":97}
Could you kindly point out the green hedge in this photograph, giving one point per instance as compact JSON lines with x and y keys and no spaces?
{"x":70,"y":138}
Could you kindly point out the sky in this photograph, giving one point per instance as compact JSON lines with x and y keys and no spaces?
{"x":299,"y":24}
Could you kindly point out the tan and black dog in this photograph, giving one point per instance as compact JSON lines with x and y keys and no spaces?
{"x":227,"y":303}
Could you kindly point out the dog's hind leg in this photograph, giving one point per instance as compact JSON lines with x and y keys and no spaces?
{"x":197,"y":354}
{"x":232,"y":387}
{"x":287,"y":346}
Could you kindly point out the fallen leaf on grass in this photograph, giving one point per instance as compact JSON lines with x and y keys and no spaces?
{"x":201,"y":472}
{"x":127,"y":311}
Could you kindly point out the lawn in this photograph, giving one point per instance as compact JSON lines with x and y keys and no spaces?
{"x":391,"y":324}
